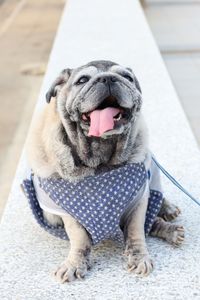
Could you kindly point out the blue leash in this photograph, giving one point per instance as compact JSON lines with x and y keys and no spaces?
{"x":173,"y":180}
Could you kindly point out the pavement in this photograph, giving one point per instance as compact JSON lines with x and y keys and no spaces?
{"x":26,"y":37}
{"x":28,"y":254}
{"x":176,"y":28}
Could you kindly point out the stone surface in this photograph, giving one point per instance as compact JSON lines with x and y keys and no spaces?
{"x":176,"y":27}
{"x":115,"y":30}
{"x":185,"y":73}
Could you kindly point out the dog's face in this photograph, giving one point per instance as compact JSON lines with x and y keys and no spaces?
{"x":102,"y":97}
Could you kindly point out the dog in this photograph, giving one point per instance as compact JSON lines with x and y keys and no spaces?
{"x":92,"y":125}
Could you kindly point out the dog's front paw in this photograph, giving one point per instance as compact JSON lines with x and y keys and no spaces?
{"x":139,"y":260}
{"x":140,"y":264}
{"x":71,"y":270}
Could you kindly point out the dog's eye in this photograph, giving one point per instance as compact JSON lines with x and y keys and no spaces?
{"x":128,"y":77}
{"x":83,"y":79}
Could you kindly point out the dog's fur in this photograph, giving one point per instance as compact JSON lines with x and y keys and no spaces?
{"x":58,"y":145}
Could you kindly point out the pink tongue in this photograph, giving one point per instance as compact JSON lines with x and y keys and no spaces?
{"x":102,"y":120}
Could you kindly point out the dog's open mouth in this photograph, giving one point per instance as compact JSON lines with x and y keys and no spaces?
{"x":107,"y":116}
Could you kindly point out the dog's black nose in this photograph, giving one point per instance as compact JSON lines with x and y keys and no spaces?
{"x":107,"y":79}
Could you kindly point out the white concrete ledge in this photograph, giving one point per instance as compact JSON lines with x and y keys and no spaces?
{"x":115,"y":30}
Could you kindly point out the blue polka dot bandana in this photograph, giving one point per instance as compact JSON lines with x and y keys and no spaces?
{"x":97,"y":202}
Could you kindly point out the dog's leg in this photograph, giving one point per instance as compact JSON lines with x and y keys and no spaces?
{"x":172,"y":233}
{"x":77,"y":262}
{"x":168,"y":211}
{"x":139,"y":260}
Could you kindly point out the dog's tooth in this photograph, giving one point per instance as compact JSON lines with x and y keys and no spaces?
{"x":119,"y":118}
{"x":84,"y":117}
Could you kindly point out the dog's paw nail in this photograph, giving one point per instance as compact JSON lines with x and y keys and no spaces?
{"x":80,"y":276}
{"x":140,"y":265}
{"x":180,"y":228}
{"x":131,"y":268}
{"x":69,"y":271}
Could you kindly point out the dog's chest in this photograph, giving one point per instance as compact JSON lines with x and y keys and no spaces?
{"x":98,"y":202}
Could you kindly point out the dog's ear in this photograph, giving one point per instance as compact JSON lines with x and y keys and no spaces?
{"x":136,"y":81}
{"x":60,"y":80}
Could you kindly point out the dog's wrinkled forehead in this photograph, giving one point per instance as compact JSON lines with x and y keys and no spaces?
{"x":95,"y":67}
{"x":101,"y":65}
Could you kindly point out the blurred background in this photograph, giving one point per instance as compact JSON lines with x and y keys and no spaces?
{"x":27,"y":31}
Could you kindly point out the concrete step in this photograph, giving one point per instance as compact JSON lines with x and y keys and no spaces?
{"x":176,"y":28}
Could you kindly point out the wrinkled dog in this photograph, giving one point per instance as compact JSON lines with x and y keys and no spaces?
{"x":92,"y":127}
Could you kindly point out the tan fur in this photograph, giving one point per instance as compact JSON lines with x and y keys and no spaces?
{"x":40,"y":153}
